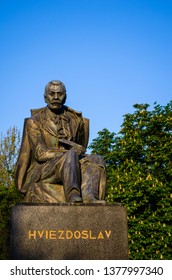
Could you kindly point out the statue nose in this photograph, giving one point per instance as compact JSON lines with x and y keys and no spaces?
{"x":55,"y":95}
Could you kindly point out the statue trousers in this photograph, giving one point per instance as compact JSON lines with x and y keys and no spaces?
{"x":85,"y":174}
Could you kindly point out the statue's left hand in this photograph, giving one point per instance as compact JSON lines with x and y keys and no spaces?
{"x":80,"y":150}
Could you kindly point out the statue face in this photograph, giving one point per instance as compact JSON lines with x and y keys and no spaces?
{"x":55,"y":97}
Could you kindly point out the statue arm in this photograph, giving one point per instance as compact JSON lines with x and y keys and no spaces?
{"x":37,"y":143}
{"x":83,"y":132}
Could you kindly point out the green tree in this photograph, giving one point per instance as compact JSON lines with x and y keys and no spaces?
{"x":139,"y":176}
{"x":9,"y":196}
{"x":9,"y":146}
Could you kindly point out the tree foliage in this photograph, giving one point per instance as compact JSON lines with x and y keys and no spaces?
{"x":9,"y":196}
{"x":139,"y":173}
{"x":9,"y":146}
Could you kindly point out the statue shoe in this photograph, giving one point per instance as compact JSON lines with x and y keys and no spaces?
{"x":74,"y":197}
{"x":94,"y":200}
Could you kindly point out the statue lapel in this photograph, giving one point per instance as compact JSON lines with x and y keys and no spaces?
{"x":47,"y":124}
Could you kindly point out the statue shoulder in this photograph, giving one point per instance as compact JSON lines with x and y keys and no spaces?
{"x":77,"y":113}
{"x":37,"y":111}
{"x":35,"y":119}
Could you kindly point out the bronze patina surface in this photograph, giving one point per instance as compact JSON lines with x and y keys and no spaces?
{"x":52,"y":166}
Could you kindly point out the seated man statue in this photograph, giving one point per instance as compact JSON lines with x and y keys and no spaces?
{"x":52,"y":166}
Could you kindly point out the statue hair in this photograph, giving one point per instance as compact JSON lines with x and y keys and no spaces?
{"x":55,"y":83}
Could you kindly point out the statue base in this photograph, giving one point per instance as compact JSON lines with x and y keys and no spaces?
{"x":69,"y":232}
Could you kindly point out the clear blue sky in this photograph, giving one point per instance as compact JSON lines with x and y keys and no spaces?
{"x":110,"y":54}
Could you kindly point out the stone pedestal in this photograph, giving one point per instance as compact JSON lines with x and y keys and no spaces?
{"x":69,"y":232}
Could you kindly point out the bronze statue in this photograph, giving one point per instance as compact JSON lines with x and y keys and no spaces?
{"x":52,"y":166}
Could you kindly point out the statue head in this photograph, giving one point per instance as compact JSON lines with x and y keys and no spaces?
{"x":55,"y":94}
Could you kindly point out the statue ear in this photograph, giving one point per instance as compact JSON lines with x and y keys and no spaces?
{"x":45,"y":98}
{"x":64,"y":100}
